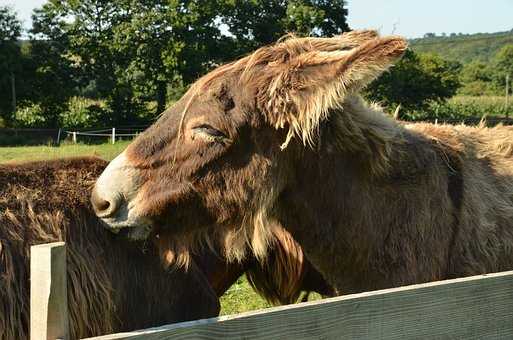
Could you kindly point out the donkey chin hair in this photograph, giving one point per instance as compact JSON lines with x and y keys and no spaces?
{"x":255,"y":235}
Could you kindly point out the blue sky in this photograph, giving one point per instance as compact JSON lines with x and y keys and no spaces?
{"x":411,"y":18}
{"x":414,"y":18}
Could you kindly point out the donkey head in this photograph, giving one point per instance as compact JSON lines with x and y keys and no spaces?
{"x":216,"y":162}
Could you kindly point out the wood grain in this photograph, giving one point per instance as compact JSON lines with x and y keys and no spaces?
{"x":48,"y":295}
{"x":479,"y":307}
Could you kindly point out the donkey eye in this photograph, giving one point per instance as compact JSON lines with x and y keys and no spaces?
{"x":210,"y":131}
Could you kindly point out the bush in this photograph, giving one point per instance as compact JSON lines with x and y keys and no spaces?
{"x":476,"y":79}
{"x":30,"y":115}
{"x":83,"y":113}
{"x":477,"y":88}
{"x":460,"y":108}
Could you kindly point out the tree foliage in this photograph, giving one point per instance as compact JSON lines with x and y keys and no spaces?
{"x":255,"y":23}
{"x":54,"y":75}
{"x":97,"y":62}
{"x":480,"y":78}
{"x":416,"y":81}
{"x":476,"y":78}
{"x":10,"y":60}
{"x":130,"y":53}
{"x":10,"y":25}
{"x":503,"y":65}
{"x":464,"y":47}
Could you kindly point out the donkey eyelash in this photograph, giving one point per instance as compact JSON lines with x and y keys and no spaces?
{"x":210,"y":133}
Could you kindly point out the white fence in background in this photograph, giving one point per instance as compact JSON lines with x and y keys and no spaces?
{"x":56,"y":135}
{"x":111,"y":133}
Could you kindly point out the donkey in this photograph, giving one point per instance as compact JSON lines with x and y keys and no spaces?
{"x":283,"y":135}
{"x":113,"y":285}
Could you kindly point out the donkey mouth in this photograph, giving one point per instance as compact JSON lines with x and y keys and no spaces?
{"x":138,"y":233}
{"x":136,"y":229}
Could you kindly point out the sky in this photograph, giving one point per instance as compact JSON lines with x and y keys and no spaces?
{"x":414,"y":18}
{"x":410,"y":18}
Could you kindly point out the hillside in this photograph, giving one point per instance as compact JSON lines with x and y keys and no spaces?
{"x":464,"y":47}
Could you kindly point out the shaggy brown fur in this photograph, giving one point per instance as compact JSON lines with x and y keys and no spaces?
{"x":280,"y":279}
{"x":113,"y":286}
{"x":373,"y":203}
{"x":286,"y":272}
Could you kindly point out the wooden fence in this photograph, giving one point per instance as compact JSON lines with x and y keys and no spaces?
{"x":478,"y":307}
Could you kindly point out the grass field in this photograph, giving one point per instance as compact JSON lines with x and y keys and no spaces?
{"x":34,"y":153}
{"x":239,"y":298}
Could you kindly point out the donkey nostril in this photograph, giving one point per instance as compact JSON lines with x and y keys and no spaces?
{"x":102,"y":207}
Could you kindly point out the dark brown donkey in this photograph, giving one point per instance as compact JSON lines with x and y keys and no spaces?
{"x":282,"y":135}
{"x":113,"y":285}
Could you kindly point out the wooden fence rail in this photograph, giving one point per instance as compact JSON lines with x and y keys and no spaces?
{"x":478,"y":307}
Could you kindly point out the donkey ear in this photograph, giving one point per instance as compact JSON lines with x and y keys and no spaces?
{"x":301,"y":91}
{"x":345,"y":41}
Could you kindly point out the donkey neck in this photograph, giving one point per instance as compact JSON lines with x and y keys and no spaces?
{"x":338,"y":204}
{"x":329,"y":189}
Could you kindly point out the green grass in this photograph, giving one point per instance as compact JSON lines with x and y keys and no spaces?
{"x":241,"y":298}
{"x":34,"y":153}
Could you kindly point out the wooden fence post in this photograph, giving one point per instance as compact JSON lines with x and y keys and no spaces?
{"x":74,"y":137}
{"x":48,"y":293}
{"x":113,"y":135}
{"x":506,"y":105}
{"x":59,"y":137}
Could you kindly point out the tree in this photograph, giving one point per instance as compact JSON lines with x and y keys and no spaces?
{"x":257,"y":22}
{"x":10,"y":56}
{"x":129,"y":52}
{"x":416,"y":81}
{"x":503,"y":65}
{"x":77,"y":37}
{"x":54,"y":79}
{"x":476,"y":79}
{"x":10,"y":25}
{"x":167,"y":42}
